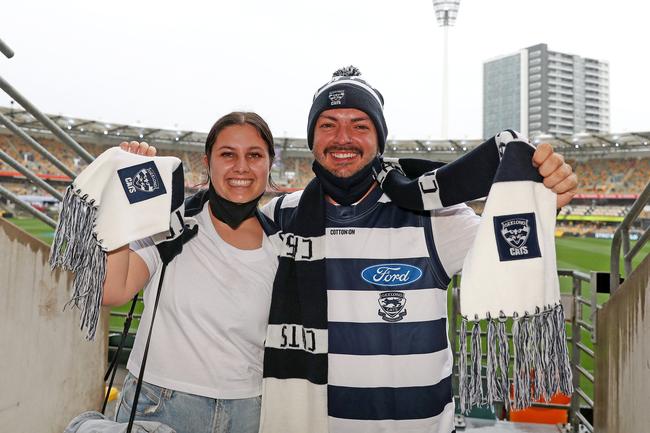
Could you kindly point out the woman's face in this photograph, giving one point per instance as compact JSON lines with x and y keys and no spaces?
{"x":239,"y":163}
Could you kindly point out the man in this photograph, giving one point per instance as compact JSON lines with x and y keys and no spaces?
{"x":357,"y":337}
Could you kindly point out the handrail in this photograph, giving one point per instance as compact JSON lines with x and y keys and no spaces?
{"x":38,"y":214}
{"x":30,"y":175}
{"x":18,"y":132}
{"x":46,"y":121}
{"x":621,"y":235}
{"x":4,"y":49}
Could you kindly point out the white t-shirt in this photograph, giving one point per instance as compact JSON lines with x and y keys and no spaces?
{"x":208,"y":337}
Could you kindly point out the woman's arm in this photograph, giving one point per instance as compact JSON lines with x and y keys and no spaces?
{"x":126,"y":275}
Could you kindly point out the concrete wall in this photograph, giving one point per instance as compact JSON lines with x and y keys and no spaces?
{"x":48,"y":372}
{"x":622,"y":391}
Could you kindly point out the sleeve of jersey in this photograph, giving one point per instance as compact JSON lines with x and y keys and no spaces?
{"x":147,"y":251}
{"x":454,"y":229}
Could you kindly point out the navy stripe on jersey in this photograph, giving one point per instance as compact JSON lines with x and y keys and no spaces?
{"x":289,"y":364}
{"x":438,"y":269}
{"x":387,"y":338}
{"x":389,"y":403}
{"x":385,"y":215}
{"x":345,"y":274}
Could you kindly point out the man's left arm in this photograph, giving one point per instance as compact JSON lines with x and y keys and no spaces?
{"x":558,"y":175}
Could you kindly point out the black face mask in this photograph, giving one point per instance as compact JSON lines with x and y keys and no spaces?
{"x":345,"y":190}
{"x":230,"y":212}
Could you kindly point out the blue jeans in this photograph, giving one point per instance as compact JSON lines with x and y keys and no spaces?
{"x":189,"y":413}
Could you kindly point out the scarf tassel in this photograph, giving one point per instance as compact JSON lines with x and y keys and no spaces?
{"x":540,"y":367}
{"x":476,"y":385}
{"x":75,"y":248}
{"x":463,"y":383}
{"x":493,"y":388}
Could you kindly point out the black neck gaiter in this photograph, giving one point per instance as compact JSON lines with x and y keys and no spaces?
{"x":230,"y":212}
{"x":345,"y":190}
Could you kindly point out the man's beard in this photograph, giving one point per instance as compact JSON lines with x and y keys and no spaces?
{"x":345,"y":190}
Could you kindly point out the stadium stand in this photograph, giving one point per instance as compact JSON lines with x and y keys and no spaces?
{"x":610,"y":178}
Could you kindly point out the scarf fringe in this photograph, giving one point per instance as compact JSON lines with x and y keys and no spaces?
{"x":540,"y":365}
{"x":463,"y":390}
{"x":476,"y":385}
{"x":76,"y":248}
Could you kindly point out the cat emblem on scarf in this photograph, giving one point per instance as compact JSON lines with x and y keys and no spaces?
{"x":515,"y":232}
{"x":141,"y":182}
{"x":145,"y":180}
{"x":392,"y":306}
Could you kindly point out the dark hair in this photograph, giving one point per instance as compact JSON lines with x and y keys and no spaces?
{"x":242,"y":118}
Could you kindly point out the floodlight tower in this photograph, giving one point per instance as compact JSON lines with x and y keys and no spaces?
{"x":446,"y":12}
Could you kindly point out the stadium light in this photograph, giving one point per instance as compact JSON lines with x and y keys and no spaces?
{"x":446,"y":12}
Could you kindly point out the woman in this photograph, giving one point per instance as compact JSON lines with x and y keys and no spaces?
{"x":204,"y":367}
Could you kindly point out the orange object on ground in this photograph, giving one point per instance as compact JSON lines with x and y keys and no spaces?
{"x":544,"y":415}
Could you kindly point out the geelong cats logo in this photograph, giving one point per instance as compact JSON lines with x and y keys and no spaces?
{"x":391,"y":306}
{"x":144,"y":180}
{"x":516,"y":236}
{"x":141,"y":182}
{"x":515,"y":232}
{"x":336,"y":97}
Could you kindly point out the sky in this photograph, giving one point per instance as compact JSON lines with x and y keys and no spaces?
{"x":182,"y":65}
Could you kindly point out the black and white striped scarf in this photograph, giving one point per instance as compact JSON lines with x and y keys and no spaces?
{"x":295,"y":356}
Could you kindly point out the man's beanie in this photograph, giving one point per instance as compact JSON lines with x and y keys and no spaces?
{"x":347,"y":90}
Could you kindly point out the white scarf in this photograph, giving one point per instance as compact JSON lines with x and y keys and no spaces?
{"x":119,"y":198}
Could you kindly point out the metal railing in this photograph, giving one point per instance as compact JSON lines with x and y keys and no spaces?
{"x":580,"y":311}
{"x":20,"y":133}
{"x":622,"y":235}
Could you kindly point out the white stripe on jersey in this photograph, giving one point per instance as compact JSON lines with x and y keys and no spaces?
{"x":295,"y":337}
{"x":291,"y":200}
{"x":362,"y":306}
{"x":441,"y":423}
{"x":394,"y":371}
{"x":377,"y":243}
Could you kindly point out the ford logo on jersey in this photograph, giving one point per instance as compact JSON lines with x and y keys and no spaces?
{"x":391,"y":274}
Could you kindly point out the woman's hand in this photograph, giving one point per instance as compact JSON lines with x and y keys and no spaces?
{"x":139,"y":148}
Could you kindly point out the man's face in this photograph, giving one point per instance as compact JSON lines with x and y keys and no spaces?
{"x":345,"y":140}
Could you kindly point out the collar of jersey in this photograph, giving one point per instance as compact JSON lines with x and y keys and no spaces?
{"x":345,"y":213}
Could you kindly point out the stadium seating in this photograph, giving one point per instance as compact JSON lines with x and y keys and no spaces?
{"x":596,"y":176}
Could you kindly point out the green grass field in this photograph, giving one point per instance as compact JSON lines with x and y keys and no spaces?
{"x":583,"y":254}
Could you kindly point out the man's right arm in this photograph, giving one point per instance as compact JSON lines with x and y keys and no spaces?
{"x":126,"y":274}
{"x":454,"y":229}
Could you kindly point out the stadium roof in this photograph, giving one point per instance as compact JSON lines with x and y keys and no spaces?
{"x":97,"y":131}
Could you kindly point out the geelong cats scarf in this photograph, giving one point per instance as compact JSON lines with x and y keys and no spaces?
{"x":119,"y":198}
{"x":515,"y":238}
